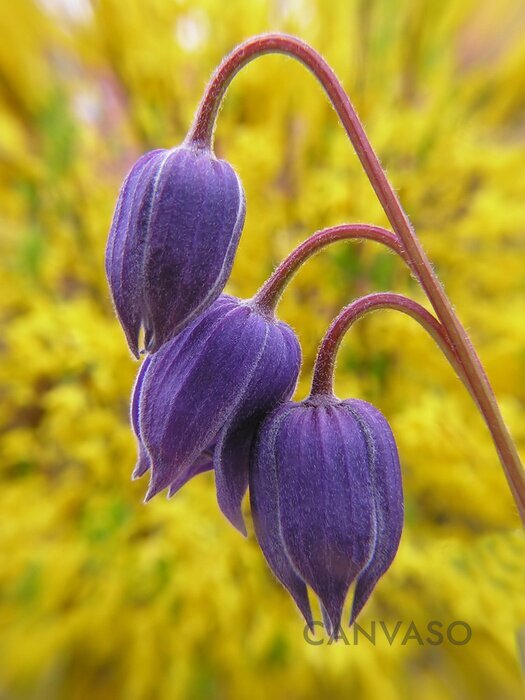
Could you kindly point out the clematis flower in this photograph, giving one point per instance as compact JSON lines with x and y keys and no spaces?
{"x":172,"y":241}
{"x":326,"y":500}
{"x":200,"y":398}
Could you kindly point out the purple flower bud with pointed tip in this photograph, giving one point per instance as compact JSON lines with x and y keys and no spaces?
{"x":172,"y":241}
{"x":326,"y":499}
{"x":205,"y":392}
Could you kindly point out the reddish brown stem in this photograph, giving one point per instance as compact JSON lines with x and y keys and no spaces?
{"x":269,"y":294}
{"x":201,"y":136}
{"x":323,"y":377}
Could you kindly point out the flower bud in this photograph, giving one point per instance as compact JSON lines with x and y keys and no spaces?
{"x":326,"y":499}
{"x":206,"y":391}
{"x":172,"y":241}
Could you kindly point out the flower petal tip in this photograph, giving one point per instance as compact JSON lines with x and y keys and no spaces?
{"x":139,"y":471}
{"x":238,"y":523}
{"x":152,"y":491}
{"x":308,"y":617}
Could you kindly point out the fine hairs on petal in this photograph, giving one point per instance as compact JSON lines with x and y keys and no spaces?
{"x":388,"y":498}
{"x":273,"y":381}
{"x":264,"y":499}
{"x":143,"y":460}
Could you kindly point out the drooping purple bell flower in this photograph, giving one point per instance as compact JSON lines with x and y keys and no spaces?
{"x":326,"y":500}
{"x":201,"y":397}
{"x":172,"y":241}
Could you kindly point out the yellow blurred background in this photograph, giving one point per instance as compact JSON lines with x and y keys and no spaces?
{"x":104,"y":597}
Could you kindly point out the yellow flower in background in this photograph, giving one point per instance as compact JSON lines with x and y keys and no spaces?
{"x":101,"y":595}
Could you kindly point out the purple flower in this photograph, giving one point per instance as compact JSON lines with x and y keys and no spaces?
{"x":172,"y":241}
{"x":200,"y":398}
{"x":326,"y":499}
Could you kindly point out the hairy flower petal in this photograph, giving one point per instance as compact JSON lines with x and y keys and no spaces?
{"x":273,"y":381}
{"x":388,"y":498}
{"x":203,"y":463}
{"x":125,"y":247}
{"x":231,"y":470}
{"x":196,"y":221}
{"x":264,"y":500}
{"x":143,"y":460}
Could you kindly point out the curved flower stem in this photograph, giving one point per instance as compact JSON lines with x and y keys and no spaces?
{"x":201,"y":136}
{"x":269,"y":294}
{"x":323,"y":377}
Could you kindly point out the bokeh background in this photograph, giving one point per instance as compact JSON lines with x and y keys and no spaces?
{"x":101,"y":596}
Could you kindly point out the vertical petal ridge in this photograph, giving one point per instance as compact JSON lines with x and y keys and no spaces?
{"x":273,"y":381}
{"x":264,"y":500}
{"x":124,"y":202}
{"x":196,"y":223}
{"x":388,"y":498}
{"x":127,"y":290}
{"x":232,"y":455}
{"x":143,"y":460}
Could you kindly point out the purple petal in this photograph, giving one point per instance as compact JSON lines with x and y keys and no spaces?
{"x":264,"y":500}
{"x":196,"y":221}
{"x":203,"y":463}
{"x":325,"y":500}
{"x":273,"y":382}
{"x":143,"y":463}
{"x":388,"y":498}
{"x":276,"y":374}
{"x":231,"y":470}
{"x":194,"y":385}
{"x":125,"y":248}
{"x":143,"y":460}
{"x":128,"y":196}
{"x":327,"y":622}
